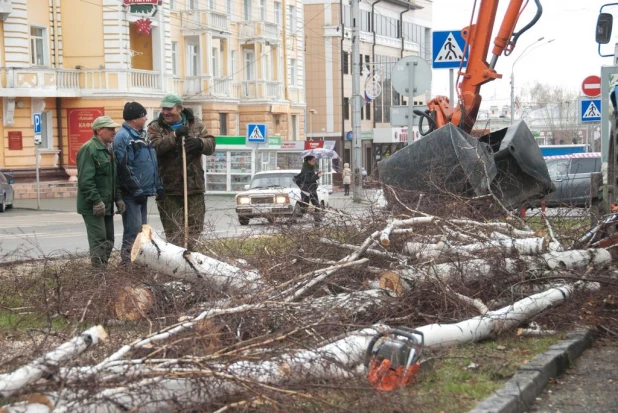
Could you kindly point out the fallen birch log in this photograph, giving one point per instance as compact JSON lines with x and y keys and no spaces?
{"x":10,"y":383}
{"x":396,"y":223}
{"x":523,"y":246}
{"x":335,"y":360}
{"x":402,"y":280}
{"x":151,"y":250}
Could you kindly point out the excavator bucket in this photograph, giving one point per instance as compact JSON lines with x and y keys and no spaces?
{"x":507,"y":162}
{"x":447,"y":159}
{"x":522,"y":171}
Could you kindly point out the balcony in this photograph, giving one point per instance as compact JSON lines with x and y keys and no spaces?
{"x":205,"y":20}
{"x":40,"y":82}
{"x":261,"y":90}
{"x":259,"y":32}
{"x":6,"y":8}
{"x":209,"y":86}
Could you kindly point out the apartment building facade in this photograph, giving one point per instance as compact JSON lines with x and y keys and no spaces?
{"x":234,"y":62}
{"x":389,"y":30}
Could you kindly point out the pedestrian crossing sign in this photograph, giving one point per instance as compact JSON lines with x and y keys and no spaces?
{"x":448,"y":50}
{"x":590,"y":110}
{"x":257,"y":133}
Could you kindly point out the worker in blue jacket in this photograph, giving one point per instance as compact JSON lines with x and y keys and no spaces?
{"x":138,"y":176}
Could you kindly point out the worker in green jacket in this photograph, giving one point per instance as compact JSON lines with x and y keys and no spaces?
{"x":97,"y":190}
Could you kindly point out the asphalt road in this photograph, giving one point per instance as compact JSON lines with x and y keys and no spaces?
{"x":57,"y":230}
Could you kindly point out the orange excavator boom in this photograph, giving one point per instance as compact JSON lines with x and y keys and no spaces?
{"x":478,"y":71}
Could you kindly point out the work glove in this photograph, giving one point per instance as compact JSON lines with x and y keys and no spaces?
{"x":160,"y":194}
{"x":140,"y":200}
{"x":121,"y":206}
{"x":193,"y":145}
{"x":181,"y":131}
{"x":99,"y":209}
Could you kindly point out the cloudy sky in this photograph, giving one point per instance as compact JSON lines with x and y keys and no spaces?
{"x":566,"y":61}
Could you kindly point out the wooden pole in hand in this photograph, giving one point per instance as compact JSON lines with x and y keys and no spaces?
{"x":186,"y":196}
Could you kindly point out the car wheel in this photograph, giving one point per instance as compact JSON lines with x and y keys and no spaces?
{"x":243,"y":220}
{"x":3,"y":204}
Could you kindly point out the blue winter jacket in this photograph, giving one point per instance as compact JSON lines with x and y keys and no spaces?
{"x":137,"y":163}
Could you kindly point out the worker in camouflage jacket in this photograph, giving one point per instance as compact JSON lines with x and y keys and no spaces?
{"x":97,"y":190}
{"x":166,"y":135}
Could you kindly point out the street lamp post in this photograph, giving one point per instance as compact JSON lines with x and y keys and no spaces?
{"x":513,"y":75}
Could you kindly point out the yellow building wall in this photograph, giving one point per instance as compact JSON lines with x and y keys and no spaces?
{"x":82,"y":40}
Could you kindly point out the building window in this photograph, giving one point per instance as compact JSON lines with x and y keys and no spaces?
{"x":215,"y":61}
{"x":368,"y":111}
{"x":346,"y":108}
{"x":212,"y":5}
{"x":292,"y":18}
{"x":191,"y":4}
{"x":172,"y":4}
{"x":193,"y":60}
{"x":175,"y":58}
{"x":278,"y":13}
{"x":233,"y":64}
{"x":293,"y":74}
{"x":262,"y":10}
{"x":37,"y":47}
{"x":223,"y":124}
{"x":228,"y":8}
{"x":346,"y":63}
{"x":247,"y":10}
{"x":249,"y":66}
{"x":47,"y":135}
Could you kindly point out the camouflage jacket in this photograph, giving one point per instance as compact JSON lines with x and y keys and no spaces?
{"x":169,"y":154}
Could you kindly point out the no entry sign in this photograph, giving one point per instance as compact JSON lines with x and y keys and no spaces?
{"x":591,"y":86}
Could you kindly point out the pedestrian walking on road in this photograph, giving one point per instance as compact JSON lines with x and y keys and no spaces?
{"x":309,"y":187}
{"x":97,"y":190}
{"x":138,"y":175}
{"x":347,"y":178}
{"x":166,"y":134}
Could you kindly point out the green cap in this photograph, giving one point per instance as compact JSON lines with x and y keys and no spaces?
{"x":104,"y":122}
{"x":170,"y":100}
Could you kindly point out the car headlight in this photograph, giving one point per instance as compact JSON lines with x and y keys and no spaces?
{"x":282,"y":199}
{"x":243,"y":200}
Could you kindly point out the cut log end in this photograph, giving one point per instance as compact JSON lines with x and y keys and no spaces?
{"x":99,"y":332}
{"x":385,"y":242}
{"x":37,"y":398}
{"x":142,"y":238}
{"x":132,"y":303}
{"x":390,"y":280}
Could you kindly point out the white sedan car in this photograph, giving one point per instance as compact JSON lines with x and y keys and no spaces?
{"x":273,"y":194}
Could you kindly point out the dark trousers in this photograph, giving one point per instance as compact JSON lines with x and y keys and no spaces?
{"x":346,"y":188}
{"x":100,"y":232}
{"x":311,"y":197}
{"x":172,"y":213}
{"x":133,"y":218}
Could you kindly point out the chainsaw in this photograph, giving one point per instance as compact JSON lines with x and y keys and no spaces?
{"x":392,"y":358}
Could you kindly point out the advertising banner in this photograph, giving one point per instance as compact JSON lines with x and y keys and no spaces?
{"x":79,"y":128}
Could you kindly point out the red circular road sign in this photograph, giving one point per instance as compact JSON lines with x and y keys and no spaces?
{"x":591,"y":86}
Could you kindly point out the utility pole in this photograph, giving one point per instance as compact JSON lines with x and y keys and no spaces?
{"x":356,"y":105}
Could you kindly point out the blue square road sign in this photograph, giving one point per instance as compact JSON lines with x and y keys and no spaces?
{"x":448,"y":50}
{"x":590,"y":110}
{"x":257,"y":133}
{"x":36,"y":120}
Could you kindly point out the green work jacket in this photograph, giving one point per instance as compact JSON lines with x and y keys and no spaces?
{"x":96,"y":178}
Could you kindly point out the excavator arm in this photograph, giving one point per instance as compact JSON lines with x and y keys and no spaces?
{"x":478,"y":71}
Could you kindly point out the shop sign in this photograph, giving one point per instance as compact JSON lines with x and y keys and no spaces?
{"x":79,"y":128}
{"x":16,"y":142}
{"x":274,"y":140}
{"x":314,"y":144}
{"x":288,"y":145}
{"x":134,"y":2}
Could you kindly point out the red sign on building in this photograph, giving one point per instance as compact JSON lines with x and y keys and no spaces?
{"x":314,"y":144}
{"x":16,"y":143}
{"x":79,"y":128}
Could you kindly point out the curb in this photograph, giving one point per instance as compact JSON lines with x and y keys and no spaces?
{"x":528,"y":382}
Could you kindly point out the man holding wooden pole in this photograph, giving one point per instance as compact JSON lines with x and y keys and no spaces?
{"x":180,"y":139}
